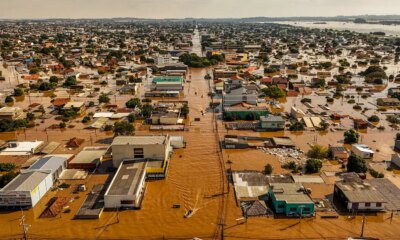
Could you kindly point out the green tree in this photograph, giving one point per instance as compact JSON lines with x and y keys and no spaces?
{"x":185,"y":110}
{"x":274,"y":92}
{"x":147,"y":109}
{"x":104,"y":98}
{"x":356,"y":164}
{"x":297,"y":126}
{"x":133,"y":103}
{"x":131,"y":118}
{"x":268,"y":169}
{"x":9,"y":99}
{"x":351,"y":136}
{"x":374,"y":118}
{"x":70,"y":81}
{"x":313,"y":165}
{"x":318,"y":152}
{"x":6,"y":178}
{"x":18,"y":92}
{"x":53,"y":79}
{"x":62,"y":125}
{"x":124,"y":128}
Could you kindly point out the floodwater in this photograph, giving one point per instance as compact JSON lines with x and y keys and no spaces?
{"x":195,"y":180}
{"x":393,"y":30}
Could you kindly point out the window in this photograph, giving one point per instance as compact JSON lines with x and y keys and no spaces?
{"x":306,"y":209}
{"x":367,"y":204}
{"x":378,"y":204}
{"x":281,"y":206}
{"x":138,"y":153}
{"x":293,"y":209}
{"x":354,"y":205}
{"x":130,"y":202}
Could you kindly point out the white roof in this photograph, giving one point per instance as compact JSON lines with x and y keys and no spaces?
{"x":363,"y":148}
{"x":103,"y":114}
{"x":21,"y":148}
{"x":73,"y":104}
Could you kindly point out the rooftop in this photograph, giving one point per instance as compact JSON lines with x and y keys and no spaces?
{"x":89,"y":155}
{"x":27,"y":181}
{"x":127,"y":179}
{"x":51,"y":163}
{"x":360,"y":192}
{"x":290,"y":193}
{"x":139,"y":140}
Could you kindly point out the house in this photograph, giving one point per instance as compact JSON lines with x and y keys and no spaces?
{"x":290,"y":199}
{"x":357,"y":195}
{"x":360,"y":124}
{"x":273,"y":123}
{"x":32,"y":184}
{"x":140,"y":147}
{"x":339,"y":152}
{"x":388,"y":102}
{"x":74,"y":142}
{"x":396,"y":159}
{"x":244,"y":112}
{"x":89,"y":158}
{"x":235,"y":92}
{"x":127,"y":187}
{"x":59,"y":103}
{"x":11,"y":113}
{"x":296,"y":113}
{"x":224,"y":73}
{"x":362,"y":151}
{"x":168,"y":83}
{"x":164,"y":118}
{"x":78,"y":107}
{"x":393,"y":91}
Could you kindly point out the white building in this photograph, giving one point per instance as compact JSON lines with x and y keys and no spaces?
{"x":140,"y":147}
{"x":127,"y":187}
{"x":22,"y":148}
{"x":362,"y":151}
{"x":32,"y":184}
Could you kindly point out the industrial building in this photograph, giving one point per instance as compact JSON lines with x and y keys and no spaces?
{"x":32,"y":184}
{"x":140,"y":147}
{"x":127,"y":187}
{"x":88,"y":158}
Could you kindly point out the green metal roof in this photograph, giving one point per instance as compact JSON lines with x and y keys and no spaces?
{"x":168,"y":79}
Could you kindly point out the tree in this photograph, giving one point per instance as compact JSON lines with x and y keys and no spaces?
{"x":18,"y":92}
{"x":356,"y":164}
{"x":374,"y":118}
{"x":324,"y":125}
{"x":318,"y":152}
{"x":104,"y":98}
{"x":133,"y":103}
{"x":313,"y":165}
{"x":70,"y":81}
{"x":6,"y":178}
{"x":274,"y":92}
{"x":9,"y":99}
{"x":351,"y":136}
{"x":124,"y":128}
{"x":185,"y":110}
{"x":297,"y":126}
{"x":268,"y":169}
{"x":53,"y":79}
{"x":147,"y":109}
{"x":131,"y":118}
{"x":62,"y":125}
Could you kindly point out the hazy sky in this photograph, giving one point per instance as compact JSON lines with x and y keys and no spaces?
{"x":192,"y":8}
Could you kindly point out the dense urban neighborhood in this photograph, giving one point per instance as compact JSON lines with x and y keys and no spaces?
{"x":191,"y":129}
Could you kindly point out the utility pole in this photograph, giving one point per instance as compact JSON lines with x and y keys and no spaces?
{"x":222,"y":224}
{"x":362,"y":226}
{"x":24,"y":226}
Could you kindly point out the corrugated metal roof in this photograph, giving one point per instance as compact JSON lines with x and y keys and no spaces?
{"x":51,"y":163}
{"x":139,"y":140}
{"x":27,"y":181}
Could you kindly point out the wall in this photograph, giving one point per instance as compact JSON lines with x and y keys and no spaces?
{"x":121,"y":152}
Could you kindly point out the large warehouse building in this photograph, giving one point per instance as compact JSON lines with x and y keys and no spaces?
{"x":32,"y":184}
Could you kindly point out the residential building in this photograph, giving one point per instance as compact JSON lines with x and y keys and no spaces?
{"x":397,"y":143}
{"x":396,"y":159}
{"x":11,"y":113}
{"x":296,"y":113}
{"x":273,"y":123}
{"x":339,"y":152}
{"x":236,"y":92}
{"x":356,"y":195}
{"x":290,"y":199}
{"x":224,"y":73}
{"x":22,"y":148}
{"x":388,"y":102}
{"x":362,"y":151}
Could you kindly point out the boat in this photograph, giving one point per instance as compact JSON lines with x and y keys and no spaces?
{"x":188,"y":214}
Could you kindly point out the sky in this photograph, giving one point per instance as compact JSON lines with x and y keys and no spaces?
{"x":192,"y":8}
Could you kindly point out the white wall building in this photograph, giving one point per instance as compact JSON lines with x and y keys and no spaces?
{"x":362,"y":150}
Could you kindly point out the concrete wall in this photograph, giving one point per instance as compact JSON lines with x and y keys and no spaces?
{"x":363,"y":207}
{"x":156,"y":151}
